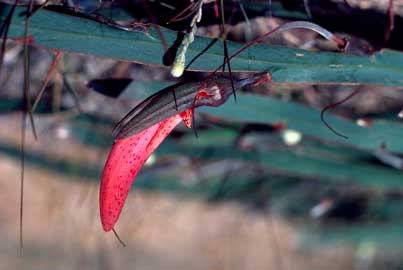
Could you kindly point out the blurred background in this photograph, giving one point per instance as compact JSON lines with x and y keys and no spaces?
{"x":241,"y":195}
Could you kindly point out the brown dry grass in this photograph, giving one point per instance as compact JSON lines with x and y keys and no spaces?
{"x":62,"y":231}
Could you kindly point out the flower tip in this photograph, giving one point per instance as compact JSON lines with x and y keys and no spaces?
{"x":177,"y":69}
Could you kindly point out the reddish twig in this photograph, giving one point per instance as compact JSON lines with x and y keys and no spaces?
{"x":391,"y":16}
{"x":46,"y":80}
{"x":342,"y":43}
{"x":331,"y":106}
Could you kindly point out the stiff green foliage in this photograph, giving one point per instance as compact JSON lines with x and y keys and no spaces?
{"x":320,"y":157}
{"x":68,"y":33}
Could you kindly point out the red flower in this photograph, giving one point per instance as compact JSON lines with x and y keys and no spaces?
{"x":143,"y":129}
{"x":124,"y":163}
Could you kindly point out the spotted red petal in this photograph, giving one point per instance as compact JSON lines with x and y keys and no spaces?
{"x":187,"y":117}
{"x":124,"y":163}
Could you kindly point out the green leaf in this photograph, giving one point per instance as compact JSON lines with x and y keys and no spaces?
{"x":259,"y":109}
{"x":304,"y":161}
{"x":69,"y":33}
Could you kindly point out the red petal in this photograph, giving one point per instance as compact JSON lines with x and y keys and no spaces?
{"x":124,"y":163}
{"x":187,"y":117}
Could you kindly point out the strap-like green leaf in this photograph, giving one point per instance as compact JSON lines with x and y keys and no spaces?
{"x":69,"y":33}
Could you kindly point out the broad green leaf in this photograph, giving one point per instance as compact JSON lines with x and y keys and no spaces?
{"x":259,"y":109}
{"x":68,"y":33}
{"x":301,"y":162}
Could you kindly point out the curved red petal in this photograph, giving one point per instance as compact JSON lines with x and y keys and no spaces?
{"x":187,"y":117}
{"x":124,"y":163}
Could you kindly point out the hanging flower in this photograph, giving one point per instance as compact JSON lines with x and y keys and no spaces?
{"x":143,"y":129}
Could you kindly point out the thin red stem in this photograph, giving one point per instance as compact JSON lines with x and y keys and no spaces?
{"x":391,"y":14}
{"x":46,"y":81}
{"x":288,"y":26}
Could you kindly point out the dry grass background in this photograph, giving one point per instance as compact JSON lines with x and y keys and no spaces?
{"x":62,"y":231}
{"x":62,"y":228}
